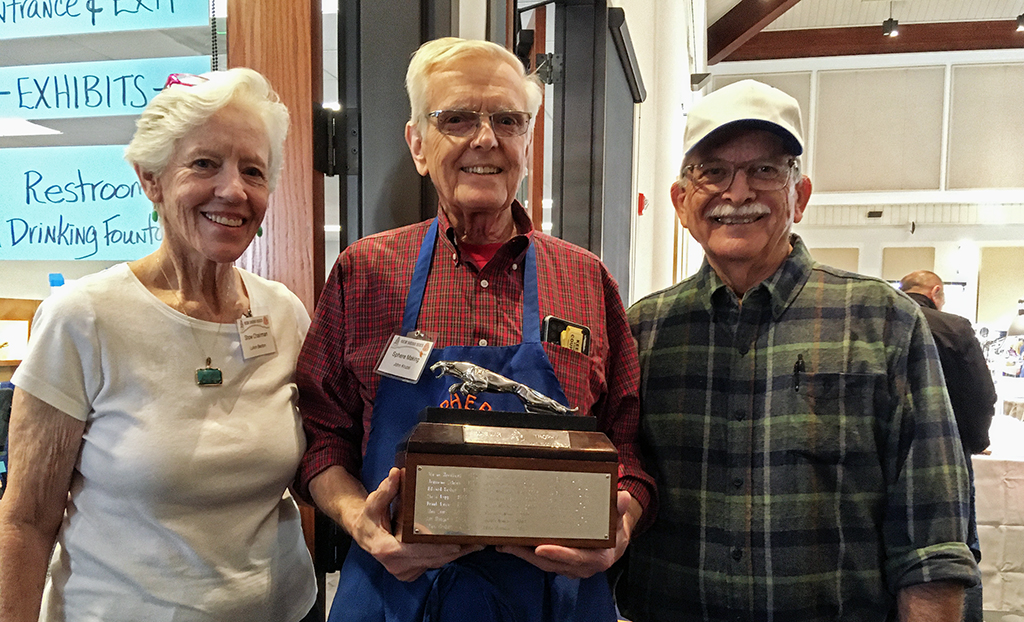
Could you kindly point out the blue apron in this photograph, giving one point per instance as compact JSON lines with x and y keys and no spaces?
{"x":485,"y":585}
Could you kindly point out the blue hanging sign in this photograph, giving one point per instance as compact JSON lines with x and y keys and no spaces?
{"x":63,"y":203}
{"x":44,"y":18}
{"x":92,"y":89}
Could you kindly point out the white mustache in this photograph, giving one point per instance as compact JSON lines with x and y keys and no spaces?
{"x":749,"y":210}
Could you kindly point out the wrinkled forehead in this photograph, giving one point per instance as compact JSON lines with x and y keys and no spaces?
{"x":462,"y":82}
{"x":232,"y":122}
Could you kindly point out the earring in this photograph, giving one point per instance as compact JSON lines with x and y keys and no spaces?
{"x":155,"y":216}
{"x":259,"y":232}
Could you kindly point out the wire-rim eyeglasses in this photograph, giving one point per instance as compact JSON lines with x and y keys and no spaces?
{"x":762,"y":174}
{"x":463,"y":123}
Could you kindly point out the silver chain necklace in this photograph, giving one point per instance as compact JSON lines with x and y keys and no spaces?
{"x":208,"y":376}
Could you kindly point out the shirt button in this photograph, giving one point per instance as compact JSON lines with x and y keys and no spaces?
{"x":484,"y":283}
{"x":483,"y":342}
{"x":515,"y":266}
{"x":737,"y":554}
{"x":455,"y":257}
{"x":738,"y":415}
{"x":737,"y":482}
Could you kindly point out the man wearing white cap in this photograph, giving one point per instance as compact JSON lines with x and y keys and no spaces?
{"x":794,"y":415}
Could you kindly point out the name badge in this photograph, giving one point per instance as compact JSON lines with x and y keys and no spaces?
{"x":255,"y":336}
{"x":404,"y":358}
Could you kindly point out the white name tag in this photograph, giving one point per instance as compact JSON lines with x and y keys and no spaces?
{"x":255,"y":336}
{"x":404,"y":358}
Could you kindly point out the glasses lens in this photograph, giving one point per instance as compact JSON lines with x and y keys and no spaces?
{"x":465,"y":122}
{"x":767,"y":175}
{"x":457,"y":122}
{"x":713,"y":175}
{"x":511,"y":123}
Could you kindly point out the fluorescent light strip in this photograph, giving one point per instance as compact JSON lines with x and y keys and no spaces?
{"x":21,"y":127}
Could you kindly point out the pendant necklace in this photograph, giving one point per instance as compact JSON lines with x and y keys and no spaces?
{"x":208,"y":376}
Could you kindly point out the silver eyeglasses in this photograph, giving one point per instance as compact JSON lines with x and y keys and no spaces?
{"x":717,"y":175}
{"x":462,"y":123}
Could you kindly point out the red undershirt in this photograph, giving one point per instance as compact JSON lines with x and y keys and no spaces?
{"x":479,"y":254}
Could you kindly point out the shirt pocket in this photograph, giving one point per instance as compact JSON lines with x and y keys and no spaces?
{"x":834,"y":418}
{"x":582,"y":379}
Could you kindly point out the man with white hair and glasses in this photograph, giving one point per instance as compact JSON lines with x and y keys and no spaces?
{"x":475,"y":281}
{"x":794,"y":415}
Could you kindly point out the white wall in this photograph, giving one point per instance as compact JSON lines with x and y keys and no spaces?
{"x":662,"y":37}
{"x":472,"y":19}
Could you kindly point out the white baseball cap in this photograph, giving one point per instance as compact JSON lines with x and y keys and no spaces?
{"x":747,"y":103}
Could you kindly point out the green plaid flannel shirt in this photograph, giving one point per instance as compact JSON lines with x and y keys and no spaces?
{"x":806,"y":455}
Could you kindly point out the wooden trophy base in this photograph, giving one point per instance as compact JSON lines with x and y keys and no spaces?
{"x":478,"y":482}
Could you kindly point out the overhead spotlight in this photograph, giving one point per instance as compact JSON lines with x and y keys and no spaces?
{"x":890,"y":27}
{"x":1020,"y":23}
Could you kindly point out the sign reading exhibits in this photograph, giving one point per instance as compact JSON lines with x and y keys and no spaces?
{"x":92,"y":89}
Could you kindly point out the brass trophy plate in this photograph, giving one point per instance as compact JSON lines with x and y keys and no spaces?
{"x":511,"y":503}
{"x":474,"y":483}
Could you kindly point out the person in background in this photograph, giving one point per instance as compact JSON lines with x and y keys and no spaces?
{"x":971,"y":390}
{"x":475,"y":281}
{"x":793,"y":415}
{"x":149,"y":443}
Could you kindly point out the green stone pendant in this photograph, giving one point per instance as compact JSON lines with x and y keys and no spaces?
{"x":208,"y":376}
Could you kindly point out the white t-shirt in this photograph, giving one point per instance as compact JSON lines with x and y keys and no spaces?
{"x":178,"y":508}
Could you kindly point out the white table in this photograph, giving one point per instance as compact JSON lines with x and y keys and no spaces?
{"x":1000,"y":511}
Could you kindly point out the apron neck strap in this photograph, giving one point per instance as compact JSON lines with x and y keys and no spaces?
{"x":413,"y":300}
{"x":531,"y":299}
{"x":419,"y":280}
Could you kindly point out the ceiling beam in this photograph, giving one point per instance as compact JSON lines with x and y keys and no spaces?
{"x":938,"y":37}
{"x":742,"y":22}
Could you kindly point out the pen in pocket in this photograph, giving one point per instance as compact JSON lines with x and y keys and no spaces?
{"x":798,"y":368}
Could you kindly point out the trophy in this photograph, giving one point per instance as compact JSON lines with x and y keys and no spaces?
{"x":543,"y":476}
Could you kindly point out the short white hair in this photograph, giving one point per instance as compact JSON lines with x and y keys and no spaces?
{"x":179,"y":109}
{"x":434,"y":56}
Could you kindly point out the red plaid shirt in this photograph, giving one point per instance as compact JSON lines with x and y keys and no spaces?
{"x":361,"y":308}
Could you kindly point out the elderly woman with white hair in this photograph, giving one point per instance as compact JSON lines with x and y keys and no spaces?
{"x":154,"y":431}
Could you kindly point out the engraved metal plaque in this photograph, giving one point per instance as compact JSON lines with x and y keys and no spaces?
{"x":488,"y":502}
{"x":492,"y":481}
{"x":516,"y":437}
